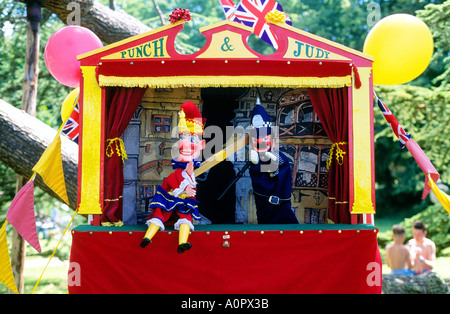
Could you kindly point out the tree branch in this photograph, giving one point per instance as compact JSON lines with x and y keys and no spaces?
{"x":109,"y":25}
{"x":161,"y":15}
{"x":23,"y":141}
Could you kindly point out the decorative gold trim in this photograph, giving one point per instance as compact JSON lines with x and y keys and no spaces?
{"x":225,"y":81}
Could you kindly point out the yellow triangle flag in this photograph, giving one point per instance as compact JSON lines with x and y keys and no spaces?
{"x":50,"y":169}
{"x":6,"y":273}
{"x":443,"y":198}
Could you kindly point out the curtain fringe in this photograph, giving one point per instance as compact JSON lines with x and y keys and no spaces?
{"x":226,"y":81}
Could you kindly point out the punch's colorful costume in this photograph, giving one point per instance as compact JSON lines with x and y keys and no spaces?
{"x":270,"y":173}
{"x":176,"y":195}
{"x":170,"y":199}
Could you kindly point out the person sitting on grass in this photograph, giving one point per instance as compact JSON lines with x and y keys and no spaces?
{"x":422,"y":249}
{"x":397,"y":254}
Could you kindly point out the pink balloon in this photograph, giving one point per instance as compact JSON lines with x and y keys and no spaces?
{"x":62,"y":50}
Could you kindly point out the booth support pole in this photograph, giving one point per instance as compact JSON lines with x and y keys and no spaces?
{"x":362,"y":146}
{"x":91,"y":146}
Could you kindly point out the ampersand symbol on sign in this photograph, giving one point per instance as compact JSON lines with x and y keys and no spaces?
{"x":226,"y":46}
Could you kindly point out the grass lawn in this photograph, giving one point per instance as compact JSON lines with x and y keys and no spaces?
{"x":385,"y":224}
{"x":54,"y":280}
{"x":442,"y":267}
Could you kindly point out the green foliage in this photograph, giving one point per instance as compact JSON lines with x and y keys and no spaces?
{"x":421,"y":107}
{"x":50,"y":93}
{"x":437,"y":221}
{"x":437,"y":17}
{"x":424,"y":113}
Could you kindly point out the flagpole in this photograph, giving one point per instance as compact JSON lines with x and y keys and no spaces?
{"x":53,"y":254}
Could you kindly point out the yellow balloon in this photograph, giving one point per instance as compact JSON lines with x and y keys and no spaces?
{"x":68,"y":104}
{"x":402,"y":46}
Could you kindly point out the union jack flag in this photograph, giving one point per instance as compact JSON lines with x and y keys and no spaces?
{"x":71,"y":128}
{"x":252,"y":13}
{"x":229,"y":7}
{"x":401,"y":134}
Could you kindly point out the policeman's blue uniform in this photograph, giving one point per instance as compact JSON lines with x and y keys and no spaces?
{"x":272,"y":192}
{"x":271,"y":180}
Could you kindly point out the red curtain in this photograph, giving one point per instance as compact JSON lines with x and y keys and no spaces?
{"x":331,"y":106}
{"x":121,"y":104}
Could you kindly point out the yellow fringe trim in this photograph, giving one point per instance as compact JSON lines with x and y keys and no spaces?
{"x":337,"y":202}
{"x":113,"y":199}
{"x":112,"y":224}
{"x":226,"y":81}
{"x":120,"y":148}
{"x":338,"y":152}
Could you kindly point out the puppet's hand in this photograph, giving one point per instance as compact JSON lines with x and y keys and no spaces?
{"x":271,"y":156}
{"x":254,"y":157}
{"x":190,"y":191}
{"x":190,"y":168}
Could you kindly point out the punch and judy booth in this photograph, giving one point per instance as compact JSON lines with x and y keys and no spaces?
{"x":319,"y":95}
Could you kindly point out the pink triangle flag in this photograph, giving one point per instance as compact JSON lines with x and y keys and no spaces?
{"x":21,"y":215}
{"x":424,"y":164}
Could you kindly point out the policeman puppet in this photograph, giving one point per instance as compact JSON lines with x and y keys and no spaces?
{"x":270,"y":173}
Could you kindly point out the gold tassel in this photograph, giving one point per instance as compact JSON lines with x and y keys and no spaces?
{"x":120,"y":148}
{"x":338,"y":152}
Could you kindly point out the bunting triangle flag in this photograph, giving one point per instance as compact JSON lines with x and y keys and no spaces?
{"x":50,"y":168}
{"x":21,"y":215}
{"x":424,"y":164}
{"x":443,"y":198}
{"x":6,"y":273}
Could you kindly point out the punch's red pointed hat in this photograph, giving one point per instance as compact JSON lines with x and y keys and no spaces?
{"x":191,"y":120}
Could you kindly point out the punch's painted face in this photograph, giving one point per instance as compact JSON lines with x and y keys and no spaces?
{"x":262,"y":145}
{"x":190,"y":147}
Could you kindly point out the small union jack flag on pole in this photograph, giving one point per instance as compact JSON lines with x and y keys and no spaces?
{"x":401,"y":134}
{"x":71,"y":128}
{"x":252,"y":13}
{"x":229,"y":7}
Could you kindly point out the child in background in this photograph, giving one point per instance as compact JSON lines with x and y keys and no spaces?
{"x":397,"y":254}
{"x":422,"y":249}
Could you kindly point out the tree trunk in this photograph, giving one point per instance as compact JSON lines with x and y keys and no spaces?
{"x":22,"y":142}
{"x":24,"y":138}
{"x":29,"y":93}
{"x":18,"y":249}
